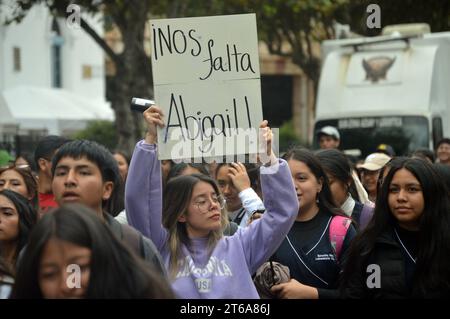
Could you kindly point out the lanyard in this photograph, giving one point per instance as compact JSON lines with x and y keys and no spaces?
{"x":401,"y":243}
{"x":239,"y":216}
{"x":301,"y":260}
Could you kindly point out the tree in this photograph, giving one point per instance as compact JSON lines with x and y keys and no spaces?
{"x":303,"y":25}
{"x":133,"y":68}
{"x":133,"y":73}
{"x":103,"y":132}
{"x":291,"y":28}
{"x":288,"y":138}
{"x":436,"y":13}
{"x":300,"y":23}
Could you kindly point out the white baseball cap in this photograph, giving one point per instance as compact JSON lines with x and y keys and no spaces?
{"x":330,"y":131}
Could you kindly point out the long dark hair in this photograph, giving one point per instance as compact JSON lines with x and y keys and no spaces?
{"x":386,"y":168}
{"x":177,"y":196}
{"x":115,"y":272}
{"x":444,"y":171}
{"x":339,"y":166}
{"x":27,"y":217}
{"x":5,"y":269}
{"x":116,"y":202}
{"x":432,"y":273}
{"x":29,"y":159}
{"x":124,"y":155}
{"x":29,"y":180}
{"x":177,"y":169}
{"x":326,"y":202}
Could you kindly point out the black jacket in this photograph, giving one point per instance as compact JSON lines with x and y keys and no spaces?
{"x":395,"y":272}
{"x":388,"y":255}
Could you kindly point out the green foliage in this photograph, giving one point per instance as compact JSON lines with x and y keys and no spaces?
{"x":103,"y":132}
{"x":294,"y":28}
{"x":434,"y":12}
{"x":288,"y":138}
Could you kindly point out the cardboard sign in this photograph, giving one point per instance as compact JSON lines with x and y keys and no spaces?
{"x":207,"y":82}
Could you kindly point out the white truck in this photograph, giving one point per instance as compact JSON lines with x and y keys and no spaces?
{"x":392,"y":89}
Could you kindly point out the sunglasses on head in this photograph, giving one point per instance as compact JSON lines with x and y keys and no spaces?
{"x":24,"y":167}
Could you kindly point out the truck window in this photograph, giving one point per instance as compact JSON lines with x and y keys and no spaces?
{"x":403,"y":133}
{"x":437,"y":131}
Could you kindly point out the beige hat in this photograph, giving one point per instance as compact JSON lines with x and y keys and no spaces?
{"x":375,"y":161}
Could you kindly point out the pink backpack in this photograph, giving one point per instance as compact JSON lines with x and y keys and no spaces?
{"x":338,"y":230}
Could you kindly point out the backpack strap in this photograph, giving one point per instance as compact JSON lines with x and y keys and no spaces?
{"x":366,"y":216}
{"x":132,"y":239}
{"x":338,"y":230}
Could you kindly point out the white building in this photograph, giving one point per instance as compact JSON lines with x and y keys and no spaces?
{"x":51,"y":75}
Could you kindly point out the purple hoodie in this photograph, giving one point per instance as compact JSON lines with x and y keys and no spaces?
{"x":226,"y":272}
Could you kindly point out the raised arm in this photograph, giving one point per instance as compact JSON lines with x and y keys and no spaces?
{"x":143,"y":190}
{"x":262,"y":237}
{"x":250,"y":200}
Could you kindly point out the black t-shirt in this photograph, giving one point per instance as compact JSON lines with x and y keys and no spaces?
{"x":308,"y":253}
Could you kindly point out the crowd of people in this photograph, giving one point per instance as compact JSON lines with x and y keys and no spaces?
{"x":80,"y":221}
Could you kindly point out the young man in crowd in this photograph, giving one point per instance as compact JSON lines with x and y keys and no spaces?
{"x":85,"y":172}
{"x":443,"y":151}
{"x":329,"y":137}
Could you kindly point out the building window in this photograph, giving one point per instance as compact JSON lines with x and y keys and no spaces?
{"x":16,"y":59}
{"x":87,"y":72}
{"x":56,"y":63}
{"x":56,"y":48}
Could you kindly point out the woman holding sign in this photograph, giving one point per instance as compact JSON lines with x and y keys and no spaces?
{"x":187,"y":226}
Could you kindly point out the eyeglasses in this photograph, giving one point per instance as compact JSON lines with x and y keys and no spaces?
{"x":204,"y":204}
{"x":23,"y":166}
{"x":26,"y":168}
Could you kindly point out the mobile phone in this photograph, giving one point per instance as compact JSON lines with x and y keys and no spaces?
{"x":140,"y":105}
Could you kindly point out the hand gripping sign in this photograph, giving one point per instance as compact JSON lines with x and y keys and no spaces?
{"x":207,"y":82}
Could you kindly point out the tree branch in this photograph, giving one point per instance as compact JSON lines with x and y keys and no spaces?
{"x":100,"y":41}
{"x":308,"y":44}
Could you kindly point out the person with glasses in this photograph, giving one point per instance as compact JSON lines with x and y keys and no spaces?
{"x":241,"y":194}
{"x":203,"y":203}
{"x":182,"y":169}
{"x":43,"y":154}
{"x":186,"y":224}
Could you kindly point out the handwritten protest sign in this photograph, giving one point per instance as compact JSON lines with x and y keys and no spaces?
{"x":207,"y":82}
